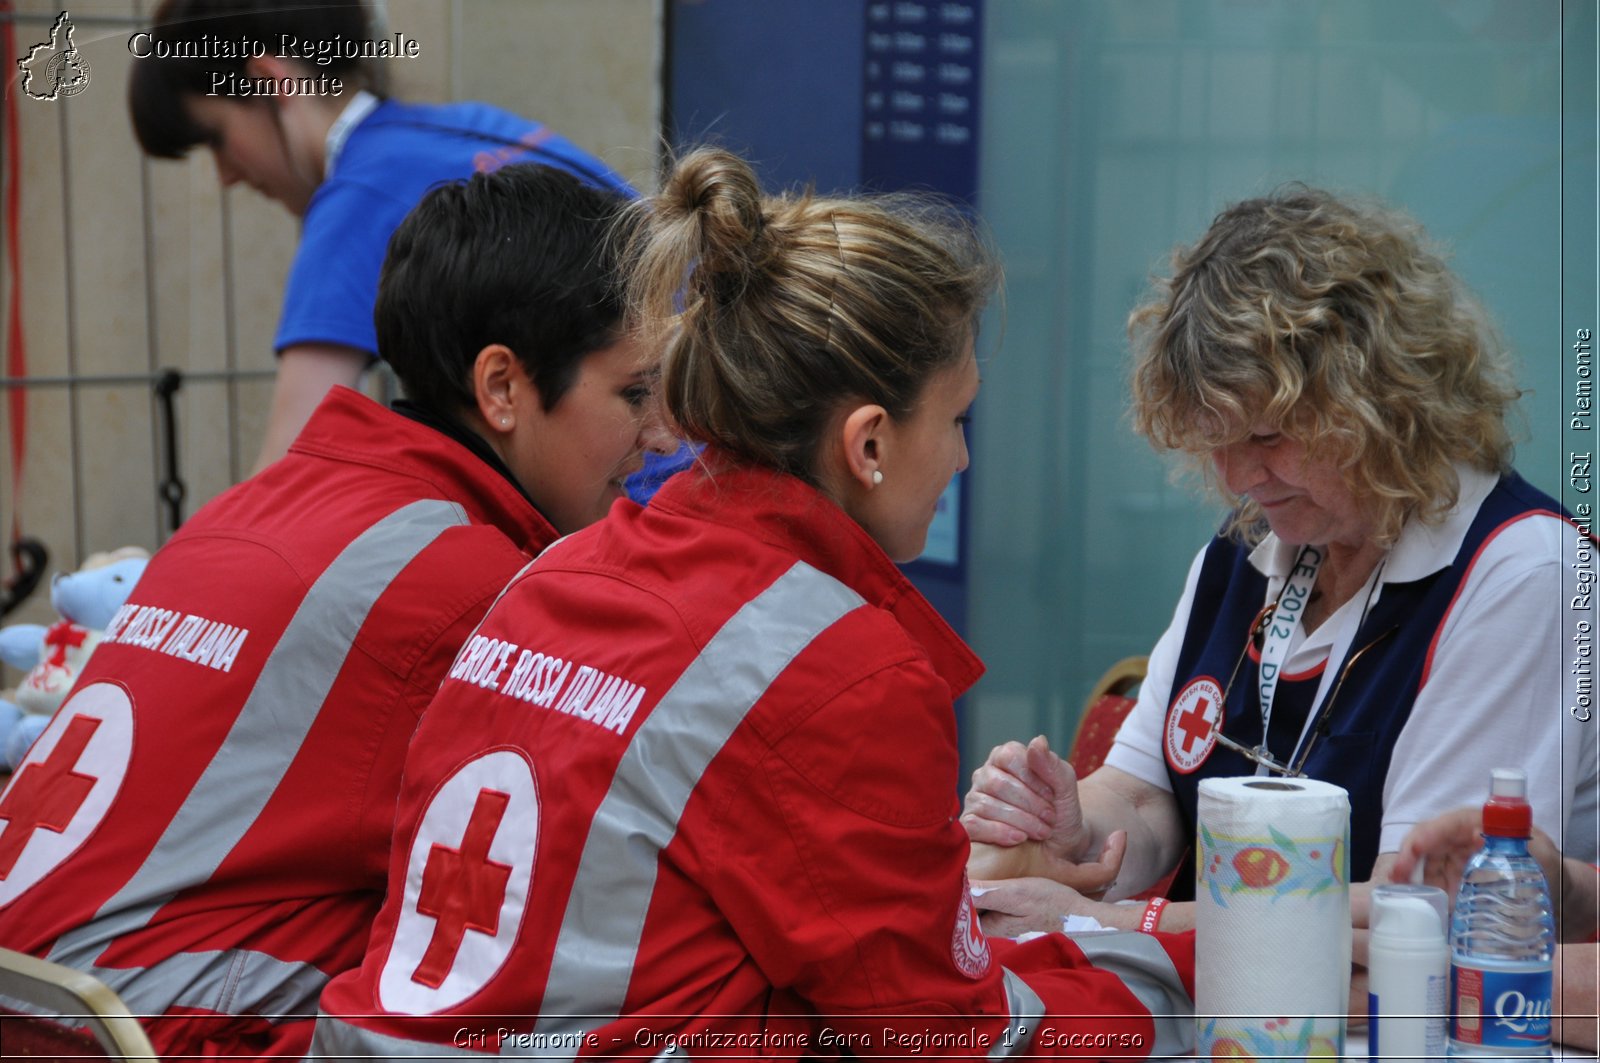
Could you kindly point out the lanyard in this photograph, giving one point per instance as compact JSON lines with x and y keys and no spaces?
{"x":1286,"y":615}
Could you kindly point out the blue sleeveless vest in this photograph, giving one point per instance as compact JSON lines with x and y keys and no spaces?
{"x":1375,"y":701}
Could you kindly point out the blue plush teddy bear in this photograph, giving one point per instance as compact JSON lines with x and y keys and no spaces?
{"x":54,"y":656}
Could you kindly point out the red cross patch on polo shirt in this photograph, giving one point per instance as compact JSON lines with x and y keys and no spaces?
{"x":467,"y":880}
{"x":1192,"y":722}
{"x":64,"y":786}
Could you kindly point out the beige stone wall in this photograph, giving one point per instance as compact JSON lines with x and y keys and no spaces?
{"x":131,"y":266}
{"x":590,"y":68}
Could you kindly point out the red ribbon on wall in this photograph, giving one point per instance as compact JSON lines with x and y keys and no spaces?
{"x":16,"y":351}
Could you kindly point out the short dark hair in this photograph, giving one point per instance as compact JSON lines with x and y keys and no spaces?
{"x":181,"y":59}
{"x":524,"y":256}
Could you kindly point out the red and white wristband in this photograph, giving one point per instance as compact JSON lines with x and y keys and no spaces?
{"x":1152,"y":915}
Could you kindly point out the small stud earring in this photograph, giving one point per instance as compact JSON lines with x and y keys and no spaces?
{"x":877,"y":477}
{"x":505,"y":422}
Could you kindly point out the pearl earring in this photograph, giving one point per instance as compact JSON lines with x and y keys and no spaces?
{"x":877,"y":477}
{"x":505,"y":422}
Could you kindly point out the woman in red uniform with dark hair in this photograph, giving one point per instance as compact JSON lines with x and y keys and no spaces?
{"x":205,"y":825}
{"x":708,"y":797}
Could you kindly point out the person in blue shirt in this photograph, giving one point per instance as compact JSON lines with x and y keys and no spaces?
{"x":284,"y":99}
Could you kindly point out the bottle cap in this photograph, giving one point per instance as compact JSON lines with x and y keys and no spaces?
{"x":1407,"y":914}
{"x":1506,"y":814}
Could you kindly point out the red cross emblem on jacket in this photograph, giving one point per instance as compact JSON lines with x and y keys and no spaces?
{"x":462,"y":889}
{"x":46,"y":794}
{"x":468,"y":871}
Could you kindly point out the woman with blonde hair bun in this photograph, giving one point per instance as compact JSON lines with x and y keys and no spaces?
{"x":707,"y":802}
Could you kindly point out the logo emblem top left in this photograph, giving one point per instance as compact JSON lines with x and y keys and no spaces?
{"x":56,"y":67}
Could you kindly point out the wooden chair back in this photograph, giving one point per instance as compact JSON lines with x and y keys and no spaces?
{"x":78,"y":1016}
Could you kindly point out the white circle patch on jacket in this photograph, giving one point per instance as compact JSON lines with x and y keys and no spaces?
{"x":64,"y":786}
{"x":467,"y":881}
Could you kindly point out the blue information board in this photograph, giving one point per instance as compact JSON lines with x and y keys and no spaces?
{"x":919,"y":121}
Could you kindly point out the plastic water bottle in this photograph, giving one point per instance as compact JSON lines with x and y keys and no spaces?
{"x":1502,"y":937}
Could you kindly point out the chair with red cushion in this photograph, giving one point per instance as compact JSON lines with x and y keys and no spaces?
{"x":1109,"y":704}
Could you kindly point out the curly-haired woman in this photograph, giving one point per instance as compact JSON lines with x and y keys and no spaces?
{"x":1386,"y":607}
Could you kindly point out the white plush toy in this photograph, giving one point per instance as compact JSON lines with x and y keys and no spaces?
{"x":54,"y":656}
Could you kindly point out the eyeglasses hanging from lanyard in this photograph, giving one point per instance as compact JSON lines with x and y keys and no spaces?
{"x":1270,"y":634}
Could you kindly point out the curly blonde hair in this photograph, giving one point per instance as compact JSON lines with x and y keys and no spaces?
{"x":1337,"y":324}
{"x":777,"y":309}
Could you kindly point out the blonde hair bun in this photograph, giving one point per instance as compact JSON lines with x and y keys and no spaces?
{"x":775,"y":310}
{"x":714,"y":194}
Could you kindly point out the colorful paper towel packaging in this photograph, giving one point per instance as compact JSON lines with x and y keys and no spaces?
{"x":1272,"y":918}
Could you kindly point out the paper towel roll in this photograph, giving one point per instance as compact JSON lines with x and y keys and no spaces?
{"x":1272,"y":918}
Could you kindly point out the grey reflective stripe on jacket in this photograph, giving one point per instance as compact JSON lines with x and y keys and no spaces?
{"x":244,"y":773}
{"x":335,"y":1039}
{"x":1025,"y":1010}
{"x":597,"y":944}
{"x":1147,"y":971}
